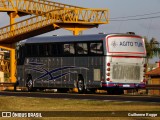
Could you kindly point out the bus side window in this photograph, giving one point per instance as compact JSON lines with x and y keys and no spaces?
{"x":55,"y":49}
{"x":46,"y":49}
{"x":50,"y":50}
{"x":69,"y":49}
{"x":29,"y":50}
{"x":20,"y":55}
{"x":41,"y":50}
{"x":96,"y":48}
{"x":34,"y":50}
{"x":82,"y":48}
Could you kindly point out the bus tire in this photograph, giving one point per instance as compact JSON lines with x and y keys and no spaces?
{"x":30,"y":83}
{"x":80,"y":85}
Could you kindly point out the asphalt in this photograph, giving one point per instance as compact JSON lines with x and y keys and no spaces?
{"x":104,"y":97}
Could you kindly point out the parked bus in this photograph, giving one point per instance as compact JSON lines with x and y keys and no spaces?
{"x":112,"y":62}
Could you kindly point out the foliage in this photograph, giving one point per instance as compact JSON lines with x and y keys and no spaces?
{"x":152,"y":48}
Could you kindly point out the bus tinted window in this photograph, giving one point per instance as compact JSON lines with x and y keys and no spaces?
{"x":59,"y":49}
{"x":69,"y":49}
{"x":82,"y":48}
{"x":44,"y":50}
{"x":50,"y":49}
{"x":96,"y":48}
{"x":55,"y":49}
{"x":32,"y":50}
{"x":29,"y":50}
{"x":20,"y":55}
{"x":35,"y":50}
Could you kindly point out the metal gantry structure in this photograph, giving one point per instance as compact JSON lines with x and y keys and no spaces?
{"x":46,"y":16}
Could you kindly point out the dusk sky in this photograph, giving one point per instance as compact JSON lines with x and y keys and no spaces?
{"x":141,"y":17}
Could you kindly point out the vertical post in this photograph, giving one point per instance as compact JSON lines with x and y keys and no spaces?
{"x":12,"y":50}
{"x":12,"y":21}
{"x":12,"y":64}
{"x":76,"y":31}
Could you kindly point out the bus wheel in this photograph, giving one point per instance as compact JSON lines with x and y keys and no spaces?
{"x":80,"y":86}
{"x":30,"y":85}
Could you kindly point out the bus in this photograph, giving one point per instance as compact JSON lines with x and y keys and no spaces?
{"x":111,"y":62}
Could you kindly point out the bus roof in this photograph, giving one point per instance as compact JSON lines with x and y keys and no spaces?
{"x":69,"y":38}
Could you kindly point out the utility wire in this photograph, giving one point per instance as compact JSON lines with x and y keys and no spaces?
{"x":142,"y":18}
{"x":136,"y":15}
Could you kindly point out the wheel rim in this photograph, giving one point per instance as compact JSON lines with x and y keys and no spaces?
{"x":30,"y":83}
{"x":80,"y":85}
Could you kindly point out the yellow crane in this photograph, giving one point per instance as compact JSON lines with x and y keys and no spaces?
{"x":47,"y":16}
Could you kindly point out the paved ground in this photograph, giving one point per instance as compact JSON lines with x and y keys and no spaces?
{"x":127,"y":98}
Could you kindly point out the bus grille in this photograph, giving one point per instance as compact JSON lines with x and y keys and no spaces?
{"x":126,"y":72}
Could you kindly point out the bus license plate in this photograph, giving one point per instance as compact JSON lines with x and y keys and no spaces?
{"x":126,"y":85}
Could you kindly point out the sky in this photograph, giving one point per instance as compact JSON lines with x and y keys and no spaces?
{"x":146,"y":20}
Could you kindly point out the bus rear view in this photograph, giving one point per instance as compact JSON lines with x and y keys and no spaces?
{"x":125,"y":63}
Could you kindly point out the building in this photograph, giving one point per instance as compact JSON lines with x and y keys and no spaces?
{"x":153,"y":83}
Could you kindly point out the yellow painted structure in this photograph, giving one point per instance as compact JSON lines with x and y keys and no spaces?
{"x":2,"y":64}
{"x":47,"y":16}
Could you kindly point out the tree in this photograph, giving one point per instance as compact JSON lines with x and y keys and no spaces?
{"x":152,"y":49}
